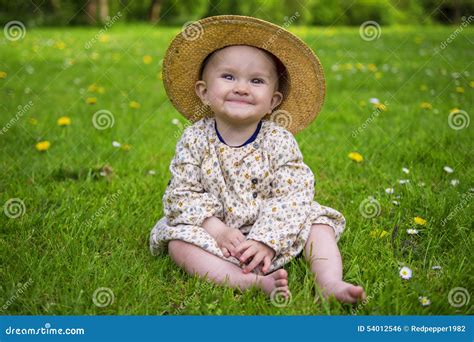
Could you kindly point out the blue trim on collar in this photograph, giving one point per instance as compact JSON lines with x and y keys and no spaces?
{"x":249,"y":140}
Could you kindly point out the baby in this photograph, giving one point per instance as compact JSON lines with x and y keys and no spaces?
{"x":239,"y":205}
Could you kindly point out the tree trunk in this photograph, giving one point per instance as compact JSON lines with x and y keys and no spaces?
{"x":103,"y":10}
{"x":91,"y":12}
{"x":154,"y":11}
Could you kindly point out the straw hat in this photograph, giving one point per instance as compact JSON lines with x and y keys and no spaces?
{"x":303,"y":87}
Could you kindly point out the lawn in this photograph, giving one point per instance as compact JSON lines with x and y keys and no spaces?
{"x":76,"y":217}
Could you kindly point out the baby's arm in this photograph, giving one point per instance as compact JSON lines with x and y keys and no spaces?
{"x":226,"y":237}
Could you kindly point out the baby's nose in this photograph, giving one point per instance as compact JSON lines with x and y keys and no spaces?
{"x":241,"y":88}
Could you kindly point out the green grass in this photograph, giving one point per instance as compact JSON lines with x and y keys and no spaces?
{"x":53,"y":258}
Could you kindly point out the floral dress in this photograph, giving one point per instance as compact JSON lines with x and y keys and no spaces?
{"x":262,"y":188}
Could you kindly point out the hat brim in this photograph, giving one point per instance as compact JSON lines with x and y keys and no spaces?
{"x":304,"y":92}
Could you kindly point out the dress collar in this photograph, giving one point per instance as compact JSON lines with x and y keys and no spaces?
{"x":249,"y":140}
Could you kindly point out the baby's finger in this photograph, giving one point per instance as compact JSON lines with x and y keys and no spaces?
{"x":243,"y":246}
{"x":225,"y":252}
{"x":255,"y":262}
{"x":247,"y":254}
{"x":266,"y":264}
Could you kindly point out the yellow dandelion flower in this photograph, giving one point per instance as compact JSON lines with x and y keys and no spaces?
{"x":3,"y":74}
{"x":378,"y":75}
{"x":423,"y":87}
{"x":454,"y":110}
{"x":126,"y":147}
{"x":33,"y":121}
{"x":372,"y":67}
{"x":426,"y":105}
{"x":43,"y":146}
{"x":147,"y":59}
{"x":92,"y":88}
{"x":60,"y":45}
{"x":64,"y":121}
{"x":460,"y":90}
{"x":419,"y":220}
{"x":380,"y":106}
{"x":359,"y":66}
{"x":104,"y":38}
{"x":134,"y":105}
{"x":356,"y":156}
{"x":471,"y":84}
{"x":101,"y":90}
{"x":91,"y":100}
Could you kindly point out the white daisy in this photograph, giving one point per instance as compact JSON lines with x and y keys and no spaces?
{"x":374,"y":100}
{"x":412,"y":231}
{"x":454,"y":182}
{"x":389,"y":191}
{"x":404,"y":169}
{"x":448,"y":169}
{"x":424,"y":301}
{"x":396,"y":203}
{"x":175,"y":122}
{"x":405,"y":273}
{"x":403,"y":181}
{"x":436,"y":267}
{"x":152,"y":172}
{"x":116,"y":144}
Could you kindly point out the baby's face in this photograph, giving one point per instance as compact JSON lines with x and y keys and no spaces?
{"x":240,"y":84}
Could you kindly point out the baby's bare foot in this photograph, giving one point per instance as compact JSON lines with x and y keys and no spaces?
{"x":344,"y":292}
{"x":276,"y":283}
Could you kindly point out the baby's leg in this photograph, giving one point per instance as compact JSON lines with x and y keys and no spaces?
{"x":322,"y":253}
{"x":196,"y":260}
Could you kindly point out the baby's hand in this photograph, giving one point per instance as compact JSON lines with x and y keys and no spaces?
{"x":258,"y":252}
{"x":228,"y":239}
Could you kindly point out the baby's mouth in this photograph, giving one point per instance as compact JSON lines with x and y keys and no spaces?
{"x":239,"y":102}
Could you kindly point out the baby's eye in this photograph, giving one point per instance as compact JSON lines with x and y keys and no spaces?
{"x":228,"y":77}
{"x":258,"y":81}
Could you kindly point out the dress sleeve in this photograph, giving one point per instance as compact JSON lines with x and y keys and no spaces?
{"x":284,"y":213}
{"x":330,"y":217}
{"x":185,"y":201}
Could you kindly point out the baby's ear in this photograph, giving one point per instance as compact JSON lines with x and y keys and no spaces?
{"x":276,"y":99}
{"x":201,"y":90}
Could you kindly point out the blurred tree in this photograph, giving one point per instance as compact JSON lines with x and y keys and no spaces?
{"x":154,"y":11}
